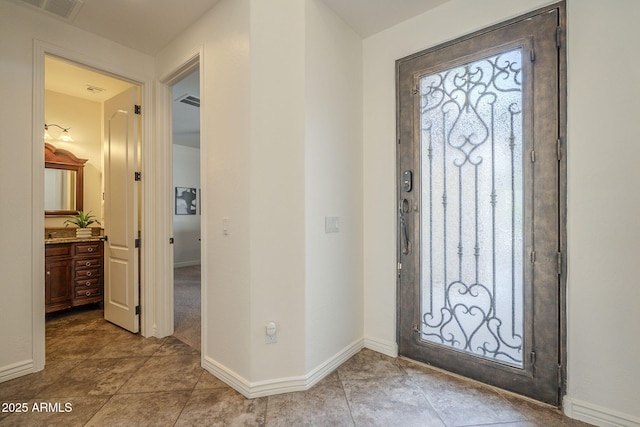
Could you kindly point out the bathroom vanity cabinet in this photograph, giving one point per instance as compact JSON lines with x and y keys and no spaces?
{"x":73,"y":274}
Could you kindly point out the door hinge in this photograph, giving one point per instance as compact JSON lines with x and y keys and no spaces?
{"x":399,"y":268}
{"x":137,"y":243}
{"x":532,"y":358}
{"x":559,"y":148}
{"x":415,"y":90}
{"x":137,"y":176}
{"x":137,"y":109}
{"x":559,"y":262}
{"x":415,"y":328}
{"x":105,"y":238}
{"x":558,"y":36}
{"x":171,"y":240}
{"x":533,"y":257}
{"x":559,"y":376}
{"x":138,"y":309}
{"x":533,"y":55}
{"x":533,"y":156}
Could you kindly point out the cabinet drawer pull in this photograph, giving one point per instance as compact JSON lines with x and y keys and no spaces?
{"x":89,"y":249}
{"x":88,"y":283}
{"x":48,"y":273}
{"x":88,"y":293}
{"x":88,"y":264}
{"x":88,"y":273}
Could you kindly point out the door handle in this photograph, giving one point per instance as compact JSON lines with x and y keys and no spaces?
{"x":404,"y":208}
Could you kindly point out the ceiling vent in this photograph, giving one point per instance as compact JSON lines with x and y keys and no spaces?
{"x":189,"y":100}
{"x":64,"y":9}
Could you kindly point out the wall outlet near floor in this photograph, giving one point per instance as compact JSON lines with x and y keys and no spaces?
{"x":271,"y":333}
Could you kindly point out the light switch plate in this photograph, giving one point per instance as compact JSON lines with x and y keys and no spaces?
{"x":331,"y":224}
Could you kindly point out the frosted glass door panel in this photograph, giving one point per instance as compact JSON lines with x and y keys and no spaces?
{"x":472,"y":208}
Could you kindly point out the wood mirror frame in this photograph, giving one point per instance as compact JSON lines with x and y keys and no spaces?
{"x":56,"y":158}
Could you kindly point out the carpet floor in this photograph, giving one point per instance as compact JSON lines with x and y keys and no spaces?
{"x":186,"y":315}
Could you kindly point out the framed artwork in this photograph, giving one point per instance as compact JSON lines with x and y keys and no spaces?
{"x":186,"y":201}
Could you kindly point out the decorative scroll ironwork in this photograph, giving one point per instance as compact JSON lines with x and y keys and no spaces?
{"x":472,"y":226}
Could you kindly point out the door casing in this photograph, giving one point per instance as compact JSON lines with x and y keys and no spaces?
{"x":148,"y":258}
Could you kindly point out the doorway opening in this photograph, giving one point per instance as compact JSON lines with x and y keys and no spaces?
{"x":100,"y":114}
{"x":185,"y":119}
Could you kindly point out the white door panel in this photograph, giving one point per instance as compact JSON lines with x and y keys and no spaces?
{"x":121,"y":288}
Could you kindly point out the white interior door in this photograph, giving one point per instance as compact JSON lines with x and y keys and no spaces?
{"x":121,"y":287}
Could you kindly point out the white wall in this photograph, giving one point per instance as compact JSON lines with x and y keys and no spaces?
{"x":276,"y":159}
{"x":603,"y":206}
{"x":85,"y":120}
{"x":277,"y":186}
{"x":22,"y":320}
{"x":222,"y":37}
{"x":333,"y":185}
{"x":186,"y":228}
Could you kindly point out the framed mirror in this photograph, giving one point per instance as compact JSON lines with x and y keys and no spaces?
{"x":63,"y":181}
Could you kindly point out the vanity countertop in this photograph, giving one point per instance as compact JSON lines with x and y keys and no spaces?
{"x":58,"y":235}
{"x":59,"y":240}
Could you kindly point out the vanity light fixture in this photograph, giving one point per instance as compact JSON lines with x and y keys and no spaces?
{"x":64,"y":136}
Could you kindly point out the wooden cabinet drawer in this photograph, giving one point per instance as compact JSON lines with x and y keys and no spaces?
{"x":88,"y":273}
{"x":88,"y":248}
{"x":88,"y":283}
{"x":82,"y":264}
{"x":88,"y":293}
{"x":57,"y":250}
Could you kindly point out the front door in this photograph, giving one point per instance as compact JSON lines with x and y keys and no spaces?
{"x":479,"y":211}
{"x":121,"y":287}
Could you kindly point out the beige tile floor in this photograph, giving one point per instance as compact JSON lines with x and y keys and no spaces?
{"x":108,"y":377}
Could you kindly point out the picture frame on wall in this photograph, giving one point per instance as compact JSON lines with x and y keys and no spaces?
{"x":186,"y":201}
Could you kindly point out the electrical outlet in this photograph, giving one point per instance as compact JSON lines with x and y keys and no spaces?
{"x":271,"y":333}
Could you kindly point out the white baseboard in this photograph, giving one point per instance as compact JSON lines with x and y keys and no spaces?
{"x":186,"y":264}
{"x":597,"y":415}
{"x":388,"y":348}
{"x":16,"y":370}
{"x":333,"y":362}
{"x":280,"y":385}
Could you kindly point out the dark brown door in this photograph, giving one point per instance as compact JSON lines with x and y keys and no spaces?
{"x":479,"y":209}
{"x":58,"y":284}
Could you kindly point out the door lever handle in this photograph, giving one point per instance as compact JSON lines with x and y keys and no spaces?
{"x":405,"y":206}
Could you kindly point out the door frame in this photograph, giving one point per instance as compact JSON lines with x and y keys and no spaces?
{"x":562,"y":171}
{"x":147,"y":257}
{"x":165,"y":321}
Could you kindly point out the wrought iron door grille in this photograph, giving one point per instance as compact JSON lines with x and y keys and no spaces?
{"x":472,"y":200}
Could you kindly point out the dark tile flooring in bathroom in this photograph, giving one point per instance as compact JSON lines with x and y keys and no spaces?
{"x":108,"y":376}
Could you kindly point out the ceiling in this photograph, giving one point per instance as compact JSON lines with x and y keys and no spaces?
{"x":368,"y":17}
{"x":80,"y":82}
{"x":64,"y":77}
{"x":149,"y":25}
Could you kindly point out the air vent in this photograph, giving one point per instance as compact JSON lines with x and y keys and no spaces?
{"x":189,"y":100}
{"x":65,"y":9}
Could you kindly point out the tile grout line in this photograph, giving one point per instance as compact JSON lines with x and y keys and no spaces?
{"x":426,"y":398}
{"x":186,"y":402}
